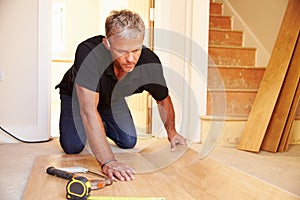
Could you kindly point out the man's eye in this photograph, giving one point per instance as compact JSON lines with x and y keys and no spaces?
{"x":122,"y":52}
{"x":125,"y":52}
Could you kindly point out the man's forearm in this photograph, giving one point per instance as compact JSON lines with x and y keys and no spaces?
{"x":166,"y":111}
{"x":97,"y":138}
{"x":92,"y":122}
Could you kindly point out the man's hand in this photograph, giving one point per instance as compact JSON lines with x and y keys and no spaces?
{"x":118,"y":170}
{"x":166,"y":111}
{"x":176,"y":139}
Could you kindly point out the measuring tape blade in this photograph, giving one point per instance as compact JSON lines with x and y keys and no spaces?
{"x":125,"y":198}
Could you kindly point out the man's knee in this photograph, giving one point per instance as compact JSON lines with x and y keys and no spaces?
{"x":72,"y":149}
{"x":71,"y":145}
{"x":127,"y":143}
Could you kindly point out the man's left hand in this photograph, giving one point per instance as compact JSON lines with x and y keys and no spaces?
{"x":177,"y":139}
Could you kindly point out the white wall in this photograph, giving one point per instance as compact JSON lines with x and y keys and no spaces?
{"x":260,"y":20}
{"x":25,"y":62}
{"x":18,"y":61}
{"x":181,"y":41}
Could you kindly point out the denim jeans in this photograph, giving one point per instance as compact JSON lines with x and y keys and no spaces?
{"x":72,"y":135}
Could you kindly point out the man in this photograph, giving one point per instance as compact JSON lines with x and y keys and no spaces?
{"x":105,"y":70}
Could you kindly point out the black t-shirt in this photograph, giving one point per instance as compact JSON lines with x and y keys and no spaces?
{"x":93,"y":69}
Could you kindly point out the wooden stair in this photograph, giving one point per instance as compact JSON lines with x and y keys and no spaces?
{"x":233,"y":80}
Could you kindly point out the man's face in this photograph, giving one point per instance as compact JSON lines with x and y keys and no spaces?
{"x":125,"y":52}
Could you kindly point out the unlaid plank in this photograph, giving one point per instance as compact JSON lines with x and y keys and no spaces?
{"x":187,"y":178}
{"x":284,"y":142}
{"x":284,"y":103}
{"x":273,"y":79}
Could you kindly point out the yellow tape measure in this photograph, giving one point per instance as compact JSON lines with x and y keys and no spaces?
{"x":125,"y":198}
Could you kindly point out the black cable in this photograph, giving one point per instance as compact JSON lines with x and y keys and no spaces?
{"x":24,"y":141}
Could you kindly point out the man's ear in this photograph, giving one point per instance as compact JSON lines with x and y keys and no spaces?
{"x":106,"y":43}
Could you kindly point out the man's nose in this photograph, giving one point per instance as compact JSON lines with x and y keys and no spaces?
{"x":130,"y":56}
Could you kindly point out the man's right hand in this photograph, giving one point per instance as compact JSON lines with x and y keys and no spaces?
{"x":118,"y":170}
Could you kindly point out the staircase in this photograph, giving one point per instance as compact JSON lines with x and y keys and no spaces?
{"x":233,"y":79}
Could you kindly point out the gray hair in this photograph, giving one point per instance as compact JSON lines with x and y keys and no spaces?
{"x":125,"y":24}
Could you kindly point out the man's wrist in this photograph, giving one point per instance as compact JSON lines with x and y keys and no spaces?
{"x":171,"y":135}
{"x":107,"y":162}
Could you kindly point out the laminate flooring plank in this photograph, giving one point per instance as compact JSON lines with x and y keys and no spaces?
{"x":284,"y":103}
{"x":264,"y":104}
{"x":187,"y":178}
{"x":284,"y":142}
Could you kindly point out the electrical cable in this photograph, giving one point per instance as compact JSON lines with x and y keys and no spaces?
{"x":24,"y":141}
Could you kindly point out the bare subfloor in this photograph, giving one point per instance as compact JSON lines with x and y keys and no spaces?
{"x":281,"y":170}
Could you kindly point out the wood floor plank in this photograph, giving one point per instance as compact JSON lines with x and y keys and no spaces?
{"x":284,"y":103}
{"x":187,"y":178}
{"x":284,"y":142}
{"x":273,"y":79}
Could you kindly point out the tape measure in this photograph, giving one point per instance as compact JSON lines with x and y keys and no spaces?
{"x":78,"y":188}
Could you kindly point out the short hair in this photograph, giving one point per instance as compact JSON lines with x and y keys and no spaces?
{"x":125,"y":24}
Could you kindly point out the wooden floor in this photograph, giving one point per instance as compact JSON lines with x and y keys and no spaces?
{"x":187,"y":178}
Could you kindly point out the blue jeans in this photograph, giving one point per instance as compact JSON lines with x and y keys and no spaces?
{"x":72,"y":135}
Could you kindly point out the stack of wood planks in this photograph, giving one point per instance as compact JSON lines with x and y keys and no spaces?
{"x":274,"y":108}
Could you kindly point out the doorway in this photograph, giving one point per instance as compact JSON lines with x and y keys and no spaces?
{"x":73,"y":21}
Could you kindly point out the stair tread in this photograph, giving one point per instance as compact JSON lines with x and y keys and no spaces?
{"x":232,"y":47}
{"x":229,"y":118}
{"x":231,"y":90}
{"x":221,"y":118}
{"x":221,"y":16}
{"x":236,"y":67}
{"x":226,"y":30}
{"x":217,"y":3}
{"x":221,"y":29}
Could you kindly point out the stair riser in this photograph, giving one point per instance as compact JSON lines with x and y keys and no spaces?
{"x":220,"y":22}
{"x":234,"y":104}
{"x":231,"y":131}
{"x":234,"y":78}
{"x":216,"y":9}
{"x":238,"y":104}
{"x":232,"y":56}
{"x":225,"y":38}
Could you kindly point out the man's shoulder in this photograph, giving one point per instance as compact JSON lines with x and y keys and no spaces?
{"x":148,"y":56}
{"x":91,"y":48}
{"x":92,"y":41}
